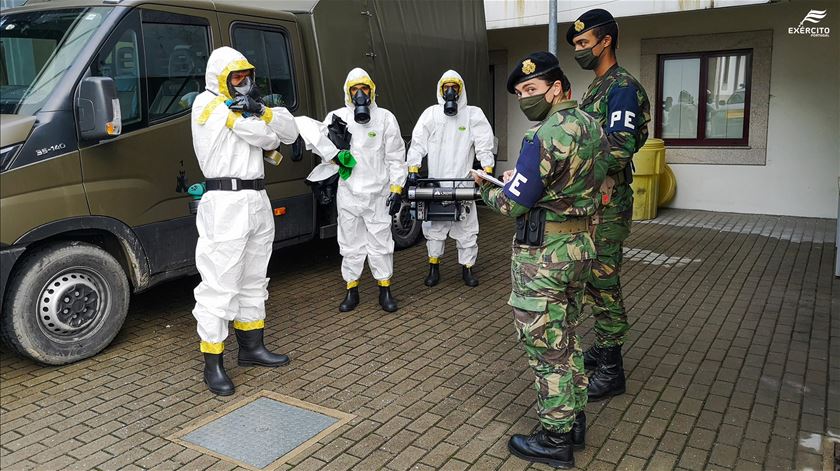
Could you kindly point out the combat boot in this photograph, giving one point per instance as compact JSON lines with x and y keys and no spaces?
{"x":387,"y":301}
{"x":608,"y":378}
{"x":252,"y":351}
{"x":215,"y":377}
{"x":434,"y":275}
{"x":542,"y":446}
{"x":591,"y":357}
{"x":469,"y":279}
{"x":351,"y":300}
{"x":579,"y":431}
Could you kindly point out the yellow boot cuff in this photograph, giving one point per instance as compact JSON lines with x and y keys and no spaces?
{"x":253,"y":325}
{"x":214,"y":348}
{"x":384,"y":282}
{"x":434,"y":260}
{"x":352,"y":284}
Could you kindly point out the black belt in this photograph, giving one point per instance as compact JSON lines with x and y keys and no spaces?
{"x":234,"y":184}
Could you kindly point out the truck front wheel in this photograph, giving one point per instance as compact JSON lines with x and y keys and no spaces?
{"x":65,"y":302}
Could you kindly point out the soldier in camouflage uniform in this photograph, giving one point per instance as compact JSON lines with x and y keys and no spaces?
{"x":552,"y":194}
{"x":619,"y":103}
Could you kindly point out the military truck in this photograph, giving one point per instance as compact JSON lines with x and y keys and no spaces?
{"x":96,"y":152}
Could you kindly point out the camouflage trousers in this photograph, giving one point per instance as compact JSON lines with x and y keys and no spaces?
{"x":603,"y":291}
{"x":548,"y":288}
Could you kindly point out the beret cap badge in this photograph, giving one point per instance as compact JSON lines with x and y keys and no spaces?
{"x":579,"y":26}
{"x":528,"y":67}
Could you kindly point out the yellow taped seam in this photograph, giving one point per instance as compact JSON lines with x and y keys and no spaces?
{"x":208,"y":110}
{"x":468,"y":266}
{"x":234,"y":66}
{"x":352,"y":284}
{"x":384,"y":282}
{"x":253,"y":325}
{"x":211,"y":347}
{"x":360,"y":81}
{"x":413,"y":169}
{"x":231,"y":119}
{"x":268,"y":115}
{"x":434,"y":260}
{"x":396,"y":189}
{"x":489,"y":170}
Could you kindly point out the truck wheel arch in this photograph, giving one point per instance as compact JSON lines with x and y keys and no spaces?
{"x":111,"y":234}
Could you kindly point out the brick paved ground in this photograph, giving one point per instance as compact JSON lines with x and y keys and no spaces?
{"x":733,"y":362}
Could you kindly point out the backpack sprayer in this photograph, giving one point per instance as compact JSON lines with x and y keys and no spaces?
{"x":432,"y":202}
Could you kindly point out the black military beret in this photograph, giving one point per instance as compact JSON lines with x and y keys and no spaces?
{"x":535,"y":65}
{"x":587,"y":21}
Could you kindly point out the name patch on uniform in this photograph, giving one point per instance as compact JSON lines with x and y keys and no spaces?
{"x":622,"y":109}
{"x":526,"y":187}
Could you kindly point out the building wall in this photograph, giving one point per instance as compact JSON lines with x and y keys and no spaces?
{"x":801,"y":173}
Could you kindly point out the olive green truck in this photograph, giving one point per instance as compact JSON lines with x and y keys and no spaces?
{"x":96,"y":153}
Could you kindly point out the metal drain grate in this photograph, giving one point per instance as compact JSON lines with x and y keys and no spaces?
{"x":262,"y":432}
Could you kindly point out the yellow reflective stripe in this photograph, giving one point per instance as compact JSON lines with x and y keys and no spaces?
{"x":253,"y":325}
{"x":360,"y":81}
{"x":434,"y":260}
{"x":489,"y":170}
{"x":352,"y":284}
{"x":268,"y":115}
{"x":413,"y":169}
{"x":234,"y":66}
{"x":396,"y":189}
{"x":208,"y":110}
{"x":211,"y":347}
{"x":231,"y":119}
{"x":384,"y":282}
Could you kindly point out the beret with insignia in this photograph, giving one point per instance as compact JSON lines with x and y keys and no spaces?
{"x":587,"y":21}
{"x":534,"y":65}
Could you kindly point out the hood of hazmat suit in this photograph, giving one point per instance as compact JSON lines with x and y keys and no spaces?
{"x":451,"y":142}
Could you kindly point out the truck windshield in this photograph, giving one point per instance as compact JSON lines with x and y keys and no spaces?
{"x":36,"y":48}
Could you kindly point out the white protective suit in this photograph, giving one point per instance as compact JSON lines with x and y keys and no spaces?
{"x":235,"y":228}
{"x":451,"y":143}
{"x":364,"y":226}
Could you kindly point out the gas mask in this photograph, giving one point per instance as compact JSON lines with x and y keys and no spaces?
{"x":450,"y":105}
{"x":244,"y":87}
{"x":361,"y":101}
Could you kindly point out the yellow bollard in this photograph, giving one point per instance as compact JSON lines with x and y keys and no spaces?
{"x":650,"y":164}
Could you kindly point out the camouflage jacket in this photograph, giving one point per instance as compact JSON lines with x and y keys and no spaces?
{"x":561,"y":165}
{"x":619,"y":102}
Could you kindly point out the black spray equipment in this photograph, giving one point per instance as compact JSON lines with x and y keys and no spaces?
{"x":450,"y":105}
{"x":362,"y":102}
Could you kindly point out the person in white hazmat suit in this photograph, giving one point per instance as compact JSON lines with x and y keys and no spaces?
{"x":370,"y":196}
{"x":235,"y":221}
{"x":452,"y":134}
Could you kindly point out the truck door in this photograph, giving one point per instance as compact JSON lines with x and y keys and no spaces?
{"x":275,"y":48}
{"x":156,"y":56}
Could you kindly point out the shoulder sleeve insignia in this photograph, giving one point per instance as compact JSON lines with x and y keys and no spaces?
{"x":528,"y":67}
{"x":579,"y":26}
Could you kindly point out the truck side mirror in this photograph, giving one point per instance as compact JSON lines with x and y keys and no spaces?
{"x":98,"y":108}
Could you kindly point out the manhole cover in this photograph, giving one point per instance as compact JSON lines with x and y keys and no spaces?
{"x":262,"y":432}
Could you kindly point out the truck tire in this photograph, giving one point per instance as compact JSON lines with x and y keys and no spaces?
{"x":65,"y":302}
{"x":405,"y":230}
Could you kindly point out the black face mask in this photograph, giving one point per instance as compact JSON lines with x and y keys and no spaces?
{"x":362,"y":112}
{"x":450,"y":105}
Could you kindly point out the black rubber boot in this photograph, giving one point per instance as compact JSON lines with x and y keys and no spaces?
{"x":579,"y":431}
{"x":608,"y":378}
{"x":434,"y":275}
{"x":252,"y":351}
{"x":542,"y":446}
{"x":387,"y":301}
{"x":469,"y":279}
{"x":591,"y":357}
{"x":350,"y":301}
{"x":215,"y":377}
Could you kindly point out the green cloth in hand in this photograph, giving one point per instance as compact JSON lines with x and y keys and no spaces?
{"x":346,"y":162}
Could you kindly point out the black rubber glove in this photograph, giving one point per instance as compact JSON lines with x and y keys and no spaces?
{"x":247,"y":104}
{"x":412,"y":179}
{"x":394,"y":203}
{"x":338,"y":133}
